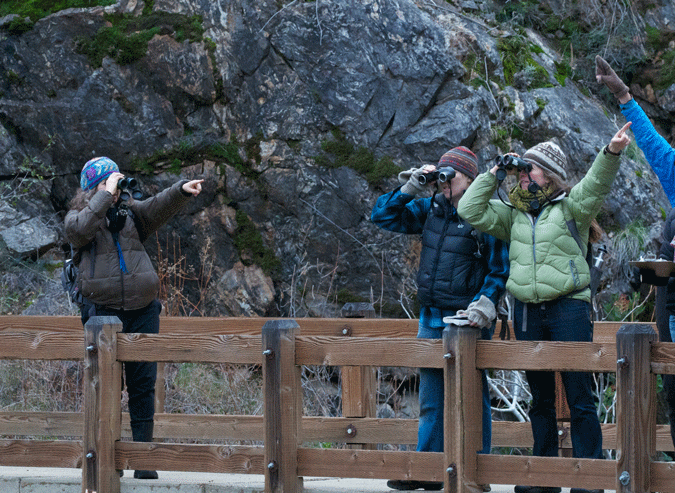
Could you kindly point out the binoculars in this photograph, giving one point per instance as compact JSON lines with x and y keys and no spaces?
{"x":441,"y":175}
{"x":129,"y":187}
{"x":508,"y":163}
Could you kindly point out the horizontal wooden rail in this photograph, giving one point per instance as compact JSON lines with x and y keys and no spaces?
{"x":181,"y":348}
{"x":197,"y":458}
{"x":547,"y":471}
{"x":41,"y":453}
{"x":314,"y":429}
{"x":339,"y":327}
{"x":558,"y":356}
{"x":354,"y":351}
{"x":370,"y":464}
{"x":41,"y":345}
{"x":662,"y":476}
{"x":401,"y":352}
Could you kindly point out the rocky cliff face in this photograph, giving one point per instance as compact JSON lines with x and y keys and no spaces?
{"x":299,"y":115}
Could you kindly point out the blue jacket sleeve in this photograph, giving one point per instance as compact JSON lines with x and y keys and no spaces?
{"x":494,"y":285}
{"x":400,"y":212}
{"x":659,"y":154}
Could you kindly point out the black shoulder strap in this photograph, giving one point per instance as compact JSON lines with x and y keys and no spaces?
{"x":572,"y":226}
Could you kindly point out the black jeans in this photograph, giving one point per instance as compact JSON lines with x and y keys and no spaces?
{"x":140,"y":377}
{"x":562,"y":319}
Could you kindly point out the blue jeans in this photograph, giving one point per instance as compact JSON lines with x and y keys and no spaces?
{"x":563,"y":319}
{"x":671,"y":321}
{"x":432,"y":391}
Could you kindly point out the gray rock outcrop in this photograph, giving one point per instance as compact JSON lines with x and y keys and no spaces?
{"x":251,"y":103}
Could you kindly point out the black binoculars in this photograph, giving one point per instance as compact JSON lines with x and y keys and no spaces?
{"x":129,"y":187}
{"x":127,"y":183}
{"x":510,"y":162}
{"x":441,"y":175}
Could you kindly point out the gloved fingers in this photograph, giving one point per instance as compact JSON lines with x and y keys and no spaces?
{"x":606,"y":75}
{"x":602,"y":67}
{"x":404,"y":176}
{"x":477,"y":317}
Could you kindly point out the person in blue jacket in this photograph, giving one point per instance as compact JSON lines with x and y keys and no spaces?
{"x":661,"y":157}
{"x":461,"y":270}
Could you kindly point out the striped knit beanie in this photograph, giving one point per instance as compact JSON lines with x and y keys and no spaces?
{"x":460,"y":159}
{"x":549,"y":157}
{"x":95,"y":171}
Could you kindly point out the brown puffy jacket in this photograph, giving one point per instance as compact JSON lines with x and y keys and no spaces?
{"x":101,"y":280}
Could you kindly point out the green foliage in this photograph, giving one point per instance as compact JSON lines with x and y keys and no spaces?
{"x":37,"y":9}
{"x":526,"y":13}
{"x":361,"y":160}
{"x":13,"y":78}
{"x":654,"y":38}
{"x":126,"y":40}
{"x":666,"y":76}
{"x":504,"y":133}
{"x":187,"y":154}
{"x":30,"y":174}
{"x":115,"y":43}
{"x":251,"y":248}
{"x":516,"y":56}
{"x":634,"y":153}
{"x":19,"y":26}
{"x":562,"y":72}
{"x":630,"y":308}
{"x":344,"y":295}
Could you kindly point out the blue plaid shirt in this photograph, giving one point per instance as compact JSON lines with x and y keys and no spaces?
{"x":402,"y":213}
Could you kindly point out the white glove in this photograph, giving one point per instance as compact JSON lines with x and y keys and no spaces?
{"x":482,"y":312}
{"x":411,"y":181}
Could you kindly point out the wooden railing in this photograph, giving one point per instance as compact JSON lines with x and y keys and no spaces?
{"x":282,"y":347}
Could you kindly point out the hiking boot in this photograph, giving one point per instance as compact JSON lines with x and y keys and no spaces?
{"x":537,"y":489}
{"x":485,"y":487}
{"x":145,"y":474}
{"x":581,"y":490}
{"x":403,"y":485}
{"x":141,"y":431}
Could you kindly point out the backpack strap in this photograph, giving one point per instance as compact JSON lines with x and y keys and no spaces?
{"x":572,"y":226}
{"x":574,"y":231}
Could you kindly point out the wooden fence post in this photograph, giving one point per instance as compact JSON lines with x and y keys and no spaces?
{"x":359,"y":383}
{"x":463,"y":416}
{"x":102,"y":401}
{"x":282,"y":391}
{"x":635,"y":408}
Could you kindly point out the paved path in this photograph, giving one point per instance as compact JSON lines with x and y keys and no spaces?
{"x":51,"y":480}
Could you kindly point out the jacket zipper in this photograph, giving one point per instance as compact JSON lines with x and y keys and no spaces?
{"x":439,"y":245}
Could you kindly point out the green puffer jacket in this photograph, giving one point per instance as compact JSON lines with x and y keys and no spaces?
{"x":101,"y":280}
{"x":546,"y":262}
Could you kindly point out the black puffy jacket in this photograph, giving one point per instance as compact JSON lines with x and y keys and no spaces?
{"x":452,"y":265}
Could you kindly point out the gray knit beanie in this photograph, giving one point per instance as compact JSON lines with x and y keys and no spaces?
{"x":549,"y":157}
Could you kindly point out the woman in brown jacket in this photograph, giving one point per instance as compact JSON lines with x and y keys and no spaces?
{"x":116,"y":276}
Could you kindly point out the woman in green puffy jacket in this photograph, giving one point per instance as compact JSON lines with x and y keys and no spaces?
{"x":549,"y":275}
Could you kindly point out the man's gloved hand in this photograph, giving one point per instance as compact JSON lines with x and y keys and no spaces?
{"x":605,"y":75}
{"x":411,"y":181}
{"x":481,"y":312}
